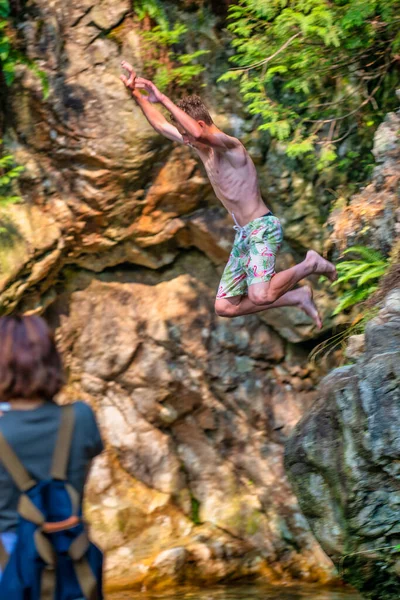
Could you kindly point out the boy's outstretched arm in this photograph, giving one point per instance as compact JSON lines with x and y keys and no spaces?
{"x":217,"y":139}
{"x":132,"y":82}
{"x":231,"y":146}
{"x":154,"y":117}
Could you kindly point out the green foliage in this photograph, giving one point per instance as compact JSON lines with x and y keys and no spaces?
{"x":161,"y":46}
{"x":195,"y":516}
{"x":358,"y":277}
{"x":152,"y":9}
{"x":316,"y":71}
{"x":7,"y":57}
{"x":40,"y":74}
{"x":9,"y":173}
{"x":10,"y":57}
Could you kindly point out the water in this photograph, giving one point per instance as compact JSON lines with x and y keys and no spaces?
{"x":241,"y":593}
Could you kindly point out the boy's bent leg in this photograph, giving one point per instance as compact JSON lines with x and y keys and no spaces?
{"x":269,"y":292}
{"x":242,"y":305}
{"x":229,"y":307}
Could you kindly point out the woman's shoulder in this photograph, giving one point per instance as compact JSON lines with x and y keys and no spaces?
{"x":84,"y":415}
{"x":87,"y":429}
{"x":83,"y":410}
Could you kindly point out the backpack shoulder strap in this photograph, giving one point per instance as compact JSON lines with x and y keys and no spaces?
{"x":3,"y":556}
{"x":63,"y":443}
{"x":14,"y":466}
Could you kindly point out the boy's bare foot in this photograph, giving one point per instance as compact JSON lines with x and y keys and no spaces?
{"x":321,"y":266}
{"x":304,"y":297}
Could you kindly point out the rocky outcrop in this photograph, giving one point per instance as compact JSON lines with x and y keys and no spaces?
{"x":121,"y":241}
{"x":372,"y":217}
{"x":195,"y":410}
{"x":343,"y":460}
{"x":342,"y":457}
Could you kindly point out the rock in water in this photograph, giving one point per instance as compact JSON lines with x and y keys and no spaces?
{"x":343,"y":460}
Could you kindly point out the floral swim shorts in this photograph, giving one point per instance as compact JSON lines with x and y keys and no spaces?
{"x":252,"y":259}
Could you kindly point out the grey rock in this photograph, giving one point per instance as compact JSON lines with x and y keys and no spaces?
{"x":343,"y":461}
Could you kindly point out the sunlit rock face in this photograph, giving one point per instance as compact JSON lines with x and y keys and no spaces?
{"x":121,"y":243}
{"x":101,"y":187}
{"x":194,"y":410}
{"x":343,"y":461}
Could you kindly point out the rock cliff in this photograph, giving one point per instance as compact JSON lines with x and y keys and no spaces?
{"x":195,"y":411}
{"x":343,"y":461}
{"x":120,"y":241}
{"x":372,"y":217}
{"x":342,"y":458}
{"x":100,"y":187}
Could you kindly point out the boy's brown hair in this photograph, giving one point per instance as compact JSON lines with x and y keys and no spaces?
{"x":30,"y":365}
{"x":194,"y":107}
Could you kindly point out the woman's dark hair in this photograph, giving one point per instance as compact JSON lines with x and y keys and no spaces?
{"x":30,"y":365}
{"x":195,"y":108}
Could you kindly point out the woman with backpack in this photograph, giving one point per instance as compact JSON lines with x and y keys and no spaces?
{"x":45,"y":454}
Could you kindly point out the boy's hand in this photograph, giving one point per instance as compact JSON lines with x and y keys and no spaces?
{"x":129,"y":81}
{"x":132,"y":82}
{"x":154,"y":94}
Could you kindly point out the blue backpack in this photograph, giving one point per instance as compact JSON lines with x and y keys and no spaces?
{"x":53,"y":558}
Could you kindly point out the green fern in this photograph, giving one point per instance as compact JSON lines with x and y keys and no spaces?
{"x":353,"y":297}
{"x":153,"y":9}
{"x":358,"y":277}
{"x":368,"y":253}
{"x":163,"y":62}
{"x":9,"y":173}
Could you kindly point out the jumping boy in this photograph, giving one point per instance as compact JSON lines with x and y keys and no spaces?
{"x":249,"y":283}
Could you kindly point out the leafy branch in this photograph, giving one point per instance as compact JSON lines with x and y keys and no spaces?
{"x":267,"y":60}
{"x":302,"y":64}
{"x":358,"y":277}
{"x":161,"y":46}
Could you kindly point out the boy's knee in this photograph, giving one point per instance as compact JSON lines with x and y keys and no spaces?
{"x":223,"y":308}
{"x":262,"y":296}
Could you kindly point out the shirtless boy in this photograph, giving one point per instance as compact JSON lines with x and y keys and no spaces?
{"x":249,"y":283}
